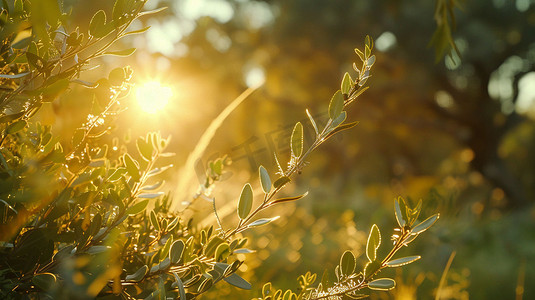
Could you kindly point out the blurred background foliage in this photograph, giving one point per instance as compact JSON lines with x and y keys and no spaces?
{"x":459,"y":134}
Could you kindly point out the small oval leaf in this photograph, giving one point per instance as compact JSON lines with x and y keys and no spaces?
{"x":235,"y":280}
{"x":137,"y":208}
{"x":125,"y":52}
{"x":347,"y":263}
{"x":382,"y":284}
{"x":265,"y":181}
{"x":374,"y":240}
{"x":139,"y":274}
{"x":131,"y":166}
{"x":316,"y":129}
{"x":176,"y":251}
{"x":402,"y":261}
{"x":263,"y":221}
{"x":154,"y":220}
{"x":347,"y":82}
{"x":423,"y":226}
{"x":296,"y":143}
{"x":336,"y":105}
{"x":281,"y":181}
{"x":44,"y":280}
{"x":246,"y":201}
{"x":399,"y":204}
{"x":97,"y":23}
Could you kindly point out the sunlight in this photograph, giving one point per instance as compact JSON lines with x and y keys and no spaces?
{"x":152,"y":96}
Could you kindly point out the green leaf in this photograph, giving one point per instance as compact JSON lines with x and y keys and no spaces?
{"x":287,"y":199}
{"x":263,"y":221}
{"x":347,"y":263}
{"x":136,"y":31}
{"x":341,"y":128}
{"x":181,"y":289}
{"x":423,"y":226}
{"x":222,"y":251}
{"x":16,"y":126}
{"x":150,"y":195}
{"x":313,"y":123}
{"x":211,"y":246}
{"x":125,"y":52}
{"x":360,"y":54}
{"x":266,"y":289}
{"x":370,"y":61}
{"x":131,"y":166}
{"x":177,"y":249}
{"x":374,"y":240}
{"x":20,"y":75}
{"x":339,"y":120}
{"x":336,"y":105}
{"x":246,"y":201}
{"x":150,"y":12}
{"x":44,"y":281}
{"x":402,"y":261}
{"x":235,"y":280}
{"x":139,"y":274}
{"x":153,"y":186}
{"x":116,"y":174}
{"x":161,"y":290}
{"x":137,"y":208}
{"x":116,"y":77}
{"x":296,"y":142}
{"x":367,"y":51}
{"x":281,"y":181}
{"x":265,"y":181}
{"x":371,"y":268}
{"x":400,"y":212}
{"x":154,"y":220}
{"x":382,"y":284}
{"x":205,"y":285}
{"x":164,"y":254}
{"x":244,"y":251}
{"x":97,"y":25}
{"x":347,"y":83}
{"x":98,"y":249}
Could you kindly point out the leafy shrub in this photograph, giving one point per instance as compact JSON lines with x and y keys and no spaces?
{"x":85,"y":218}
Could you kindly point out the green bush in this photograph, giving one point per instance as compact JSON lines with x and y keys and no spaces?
{"x":83,"y":217}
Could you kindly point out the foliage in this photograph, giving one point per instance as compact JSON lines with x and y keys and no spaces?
{"x":87,"y":219}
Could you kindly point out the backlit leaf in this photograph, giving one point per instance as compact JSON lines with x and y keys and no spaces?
{"x":125,"y":52}
{"x":403,"y":261}
{"x":336,"y":105}
{"x":382,"y":284}
{"x":347,"y":83}
{"x":237,"y":281}
{"x":423,"y":226}
{"x":374,"y":240}
{"x":347,"y":263}
{"x":263,"y":221}
{"x":137,"y":208}
{"x":139,"y":274}
{"x":296,"y":143}
{"x":265,"y":181}
{"x":316,"y":129}
{"x":176,"y":251}
{"x":131,"y":166}
{"x":246,"y":201}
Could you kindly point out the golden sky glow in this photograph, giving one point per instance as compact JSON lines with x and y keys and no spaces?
{"x":152,"y":96}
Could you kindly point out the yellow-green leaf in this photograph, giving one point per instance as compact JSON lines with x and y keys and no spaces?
{"x":296,"y":142}
{"x":246,"y":201}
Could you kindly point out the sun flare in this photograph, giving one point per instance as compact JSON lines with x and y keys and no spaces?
{"x":152,"y":96}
